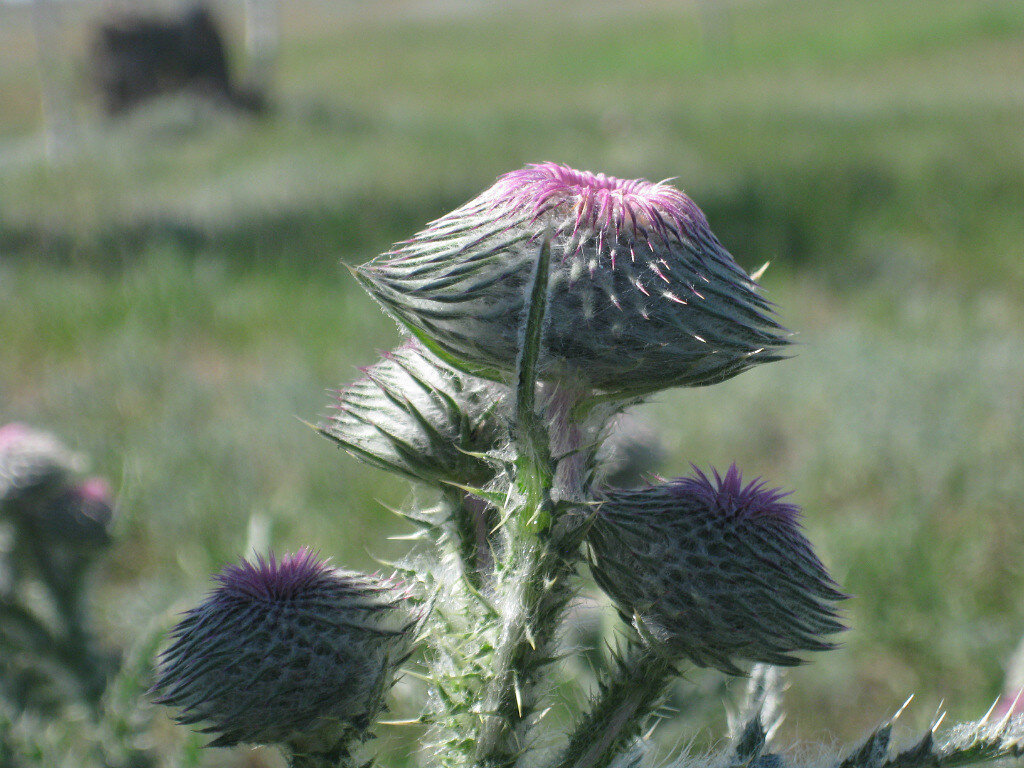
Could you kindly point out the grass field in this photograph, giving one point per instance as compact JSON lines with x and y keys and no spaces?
{"x":171,"y":296}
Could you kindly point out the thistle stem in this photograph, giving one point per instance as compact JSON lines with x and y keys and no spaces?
{"x":634,"y":688}
{"x":534,"y":574}
{"x":64,"y":586}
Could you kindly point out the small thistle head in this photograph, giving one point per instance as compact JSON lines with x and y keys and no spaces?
{"x":412,"y":415}
{"x":34,"y":465}
{"x":714,"y":570}
{"x":289,"y":652}
{"x":642,"y":296}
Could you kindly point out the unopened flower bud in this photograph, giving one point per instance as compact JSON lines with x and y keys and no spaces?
{"x":412,"y":415}
{"x":290,"y":652}
{"x":714,"y":571}
{"x":642,"y":294}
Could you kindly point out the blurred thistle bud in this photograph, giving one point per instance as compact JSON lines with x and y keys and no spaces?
{"x":631,"y":451}
{"x":34,"y":466}
{"x":412,"y":415}
{"x":714,"y":571}
{"x":79,"y":516}
{"x":642,"y":296}
{"x":289,"y":652}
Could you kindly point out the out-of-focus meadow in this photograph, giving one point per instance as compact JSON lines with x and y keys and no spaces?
{"x":173,"y":300}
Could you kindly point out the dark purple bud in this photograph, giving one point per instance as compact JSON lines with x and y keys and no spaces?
{"x":642,"y":294}
{"x":714,"y":570}
{"x":289,"y":652}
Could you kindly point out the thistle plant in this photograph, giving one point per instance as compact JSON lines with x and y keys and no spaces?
{"x":536,"y":314}
{"x":57,"y":522}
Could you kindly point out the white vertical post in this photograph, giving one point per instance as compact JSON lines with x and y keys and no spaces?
{"x":55,"y":103}
{"x":262,"y":37}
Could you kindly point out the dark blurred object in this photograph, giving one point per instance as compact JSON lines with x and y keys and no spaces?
{"x":632,"y":452}
{"x":137,"y":57}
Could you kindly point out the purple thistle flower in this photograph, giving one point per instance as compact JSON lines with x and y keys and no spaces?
{"x":412,"y":415}
{"x":714,"y":570}
{"x":289,"y":652}
{"x":642,"y":294}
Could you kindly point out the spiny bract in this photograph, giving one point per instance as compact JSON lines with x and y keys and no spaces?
{"x":290,"y":652}
{"x":713,"y":570}
{"x":642,"y":294}
{"x":412,"y":415}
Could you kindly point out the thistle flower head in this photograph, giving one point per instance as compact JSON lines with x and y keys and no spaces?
{"x":642,"y":296}
{"x":714,"y":570}
{"x":34,"y":465}
{"x":412,"y":415}
{"x":287,"y":651}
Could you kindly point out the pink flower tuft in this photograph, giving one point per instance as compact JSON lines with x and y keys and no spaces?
{"x":96,"y":490}
{"x":728,"y":496}
{"x":600,"y":202}
{"x":12,"y":433}
{"x":270,"y":579}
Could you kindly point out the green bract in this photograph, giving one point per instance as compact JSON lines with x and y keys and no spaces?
{"x":412,"y":415}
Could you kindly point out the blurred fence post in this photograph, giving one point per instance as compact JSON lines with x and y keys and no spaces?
{"x":262,"y":38}
{"x":715,"y":24}
{"x":55,"y":101}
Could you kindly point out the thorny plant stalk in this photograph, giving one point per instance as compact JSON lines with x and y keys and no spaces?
{"x":539,"y":571}
{"x":634,"y":688}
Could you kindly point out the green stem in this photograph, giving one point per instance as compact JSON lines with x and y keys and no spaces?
{"x":533,"y":578}
{"x":635,"y":687}
{"x":533,"y":461}
{"x":65,"y":587}
{"x":542,"y":591}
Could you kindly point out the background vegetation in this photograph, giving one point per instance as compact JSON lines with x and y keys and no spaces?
{"x":172,"y":295}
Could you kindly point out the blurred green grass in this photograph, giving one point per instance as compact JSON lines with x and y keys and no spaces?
{"x":171,"y":296}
